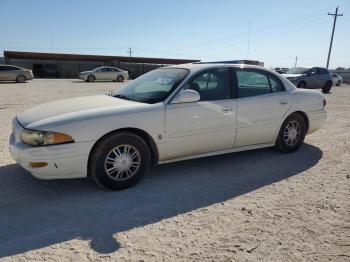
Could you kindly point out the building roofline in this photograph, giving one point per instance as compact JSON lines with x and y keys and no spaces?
{"x":95,"y":58}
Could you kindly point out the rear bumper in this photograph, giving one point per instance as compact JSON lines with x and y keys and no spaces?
{"x":316,"y":120}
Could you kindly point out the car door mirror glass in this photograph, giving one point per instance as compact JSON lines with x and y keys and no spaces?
{"x":186,"y":96}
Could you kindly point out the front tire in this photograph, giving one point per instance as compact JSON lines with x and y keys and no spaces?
{"x":91,"y":78}
{"x":20,"y":79}
{"x":120,"y":78}
{"x":327,"y":87}
{"x":120,"y":161}
{"x":292,"y":134}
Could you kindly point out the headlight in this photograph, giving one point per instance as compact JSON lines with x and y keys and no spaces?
{"x":43,"y":138}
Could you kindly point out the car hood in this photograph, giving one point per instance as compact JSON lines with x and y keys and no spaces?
{"x":77,"y":109}
{"x":293,"y":75}
{"x":85,"y":72}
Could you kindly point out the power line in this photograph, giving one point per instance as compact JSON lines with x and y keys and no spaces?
{"x":331,"y":43}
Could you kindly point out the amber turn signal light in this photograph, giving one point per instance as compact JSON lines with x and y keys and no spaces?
{"x":38,"y":164}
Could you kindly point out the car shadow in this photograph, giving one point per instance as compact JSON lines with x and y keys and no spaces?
{"x":11,"y":82}
{"x":37,"y":213}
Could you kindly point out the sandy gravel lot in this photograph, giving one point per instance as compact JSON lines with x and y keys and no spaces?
{"x":251,"y":206}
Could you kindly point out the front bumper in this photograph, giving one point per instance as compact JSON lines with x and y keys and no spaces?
{"x":29,"y":76}
{"x":64,"y":161}
{"x":82,"y":77}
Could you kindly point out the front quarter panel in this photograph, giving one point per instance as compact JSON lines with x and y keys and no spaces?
{"x":91,"y":130}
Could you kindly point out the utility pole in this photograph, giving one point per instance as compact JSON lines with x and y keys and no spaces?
{"x":334,"y":22}
{"x":296,"y":61}
{"x":51,"y":41}
{"x":248,"y":47}
{"x":129,"y":52}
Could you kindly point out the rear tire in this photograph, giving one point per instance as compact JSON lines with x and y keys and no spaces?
{"x":291,"y":134}
{"x":338,"y":83}
{"x":91,"y":78}
{"x":120,"y":161}
{"x":327,"y":87}
{"x":20,"y":79}
{"x":120,"y":78}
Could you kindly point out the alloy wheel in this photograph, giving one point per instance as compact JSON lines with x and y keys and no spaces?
{"x":292,"y":133}
{"x":122,"y":162}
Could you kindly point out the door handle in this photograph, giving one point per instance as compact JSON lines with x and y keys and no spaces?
{"x":283,"y":102}
{"x":226,"y":109}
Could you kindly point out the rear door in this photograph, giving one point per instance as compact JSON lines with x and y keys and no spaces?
{"x":113,"y":73}
{"x":2,"y":72}
{"x":323,"y":76}
{"x":313,"y":80}
{"x":8,"y":72}
{"x":262,"y":102}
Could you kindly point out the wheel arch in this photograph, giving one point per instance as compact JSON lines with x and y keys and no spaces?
{"x":302,"y":114}
{"x":91,"y":75}
{"x":139,"y":132}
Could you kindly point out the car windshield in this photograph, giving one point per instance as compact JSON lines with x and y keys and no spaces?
{"x":297,"y":70}
{"x":152,"y":87}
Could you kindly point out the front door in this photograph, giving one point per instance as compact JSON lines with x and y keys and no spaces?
{"x":261,"y":105}
{"x":204,"y":126}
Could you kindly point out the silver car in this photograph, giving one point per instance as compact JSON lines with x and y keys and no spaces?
{"x":15,"y":73}
{"x":106,"y":73}
{"x":315,"y":77}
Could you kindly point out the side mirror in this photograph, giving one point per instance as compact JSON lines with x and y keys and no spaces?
{"x":186,"y":96}
{"x":312,"y":73}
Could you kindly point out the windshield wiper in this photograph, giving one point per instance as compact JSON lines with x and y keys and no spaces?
{"x":122,"y":97}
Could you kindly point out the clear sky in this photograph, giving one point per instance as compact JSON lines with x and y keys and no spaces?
{"x":200,"y":29}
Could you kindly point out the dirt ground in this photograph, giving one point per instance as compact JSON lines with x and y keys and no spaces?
{"x":259,"y":205}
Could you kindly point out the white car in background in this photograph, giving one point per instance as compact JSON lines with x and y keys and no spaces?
{"x":105,"y":73}
{"x":169,"y":114}
{"x":337,"y":79}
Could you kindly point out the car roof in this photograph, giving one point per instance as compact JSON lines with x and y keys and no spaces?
{"x":200,"y":66}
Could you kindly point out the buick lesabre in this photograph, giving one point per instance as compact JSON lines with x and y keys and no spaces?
{"x":169,"y":114}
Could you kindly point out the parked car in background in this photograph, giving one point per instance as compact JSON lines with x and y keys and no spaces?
{"x":104,"y":73}
{"x":281,"y":70}
{"x":168,"y":114}
{"x":15,"y":73}
{"x":337,"y":79}
{"x":315,"y":77}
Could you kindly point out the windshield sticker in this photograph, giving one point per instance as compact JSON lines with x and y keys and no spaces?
{"x":164,"y":81}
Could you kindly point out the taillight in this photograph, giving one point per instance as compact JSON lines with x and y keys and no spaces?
{"x":324,"y":102}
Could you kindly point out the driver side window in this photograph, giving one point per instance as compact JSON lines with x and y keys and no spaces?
{"x":212,"y":85}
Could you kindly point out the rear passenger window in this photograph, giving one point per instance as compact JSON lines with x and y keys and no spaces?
{"x":276,"y":84}
{"x":252,"y":83}
{"x":255,"y":83}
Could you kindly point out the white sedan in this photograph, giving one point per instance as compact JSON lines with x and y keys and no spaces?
{"x":169,"y":114}
{"x":337,"y":79}
{"x":105,"y":73}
